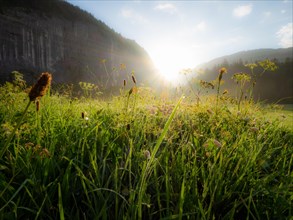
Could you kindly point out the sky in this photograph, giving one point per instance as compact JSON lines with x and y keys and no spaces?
{"x":184,"y":34}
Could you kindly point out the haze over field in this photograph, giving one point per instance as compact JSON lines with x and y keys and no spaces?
{"x":183,"y":34}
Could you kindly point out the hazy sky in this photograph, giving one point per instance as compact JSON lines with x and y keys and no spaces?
{"x":182,"y":34}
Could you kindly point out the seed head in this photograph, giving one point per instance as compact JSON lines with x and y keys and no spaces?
{"x":130,"y":91}
{"x":210,"y":111}
{"x":221,"y":72}
{"x":45,"y":153}
{"x":147,"y":154}
{"x":38,"y":105}
{"x":133,"y":79}
{"x":41,"y":87}
{"x":254,"y":129}
{"x":124,"y":82}
{"x":217,"y":143}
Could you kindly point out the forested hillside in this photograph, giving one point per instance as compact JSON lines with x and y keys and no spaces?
{"x":70,"y":43}
{"x":271,"y":86}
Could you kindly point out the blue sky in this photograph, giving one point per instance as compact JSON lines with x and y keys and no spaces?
{"x":183,"y":34}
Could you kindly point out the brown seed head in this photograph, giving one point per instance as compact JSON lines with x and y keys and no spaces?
{"x":133,"y":79}
{"x":38,"y":105}
{"x":124,"y":82}
{"x":217,"y":143}
{"x":40,"y":88}
{"x":130,"y":91}
{"x":225,"y":92}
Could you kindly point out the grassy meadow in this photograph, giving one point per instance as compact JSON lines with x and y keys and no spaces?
{"x":142,"y":156}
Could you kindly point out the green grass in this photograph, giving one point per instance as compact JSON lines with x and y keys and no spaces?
{"x":285,"y":117}
{"x":202,"y":164}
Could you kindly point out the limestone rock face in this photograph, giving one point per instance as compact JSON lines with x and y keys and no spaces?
{"x":67,"y":42}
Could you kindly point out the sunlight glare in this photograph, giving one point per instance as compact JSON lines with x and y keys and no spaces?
{"x":170,"y":60}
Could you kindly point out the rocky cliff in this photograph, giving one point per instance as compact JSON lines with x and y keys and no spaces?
{"x":55,"y":36}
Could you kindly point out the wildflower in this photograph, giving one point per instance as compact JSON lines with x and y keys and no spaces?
{"x":221,"y":72}
{"x":8,"y":128}
{"x":45,"y":153}
{"x":208,"y":154}
{"x":147,"y":154}
{"x":152,"y":109}
{"x":210,"y":111}
{"x":29,"y":145}
{"x":40,"y":88}
{"x":254,"y":129}
{"x":37,"y":148}
{"x":217,"y":143}
{"x":206,"y":145}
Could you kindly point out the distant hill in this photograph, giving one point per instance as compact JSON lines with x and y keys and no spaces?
{"x":250,"y":56}
{"x":270,"y":87}
{"x":55,"y":36}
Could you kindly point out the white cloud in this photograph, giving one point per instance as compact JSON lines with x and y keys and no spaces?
{"x":243,"y":10}
{"x":136,"y":18}
{"x":285,"y":35}
{"x":201,"y":26}
{"x":166,"y":7}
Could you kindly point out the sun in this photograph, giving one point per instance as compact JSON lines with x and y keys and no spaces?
{"x":170,"y":59}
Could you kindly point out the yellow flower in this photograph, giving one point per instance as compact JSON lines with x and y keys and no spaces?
{"x":221,"y":72}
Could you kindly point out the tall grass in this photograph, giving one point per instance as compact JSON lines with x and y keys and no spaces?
{"x":203,"y":161}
